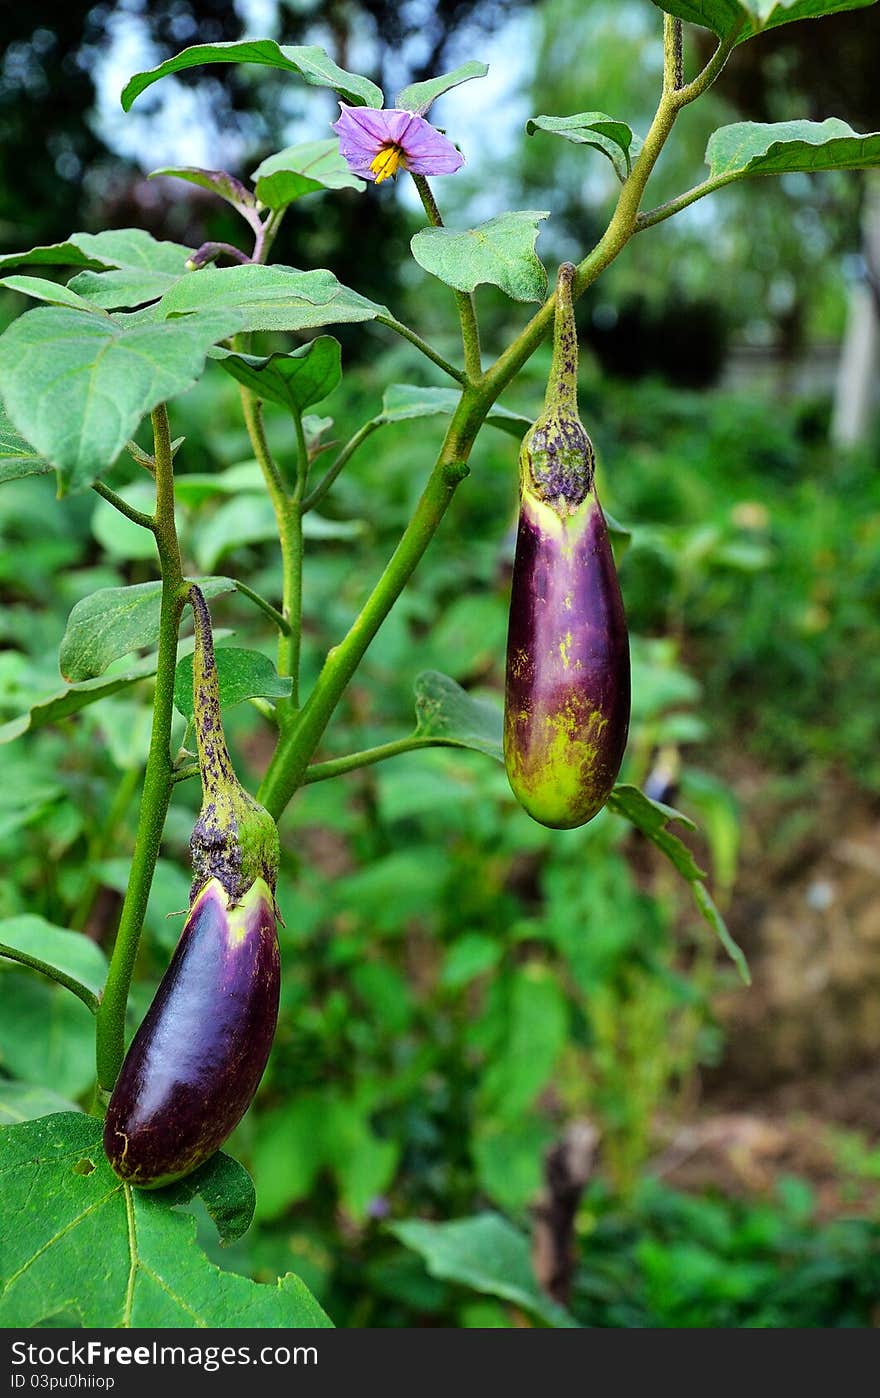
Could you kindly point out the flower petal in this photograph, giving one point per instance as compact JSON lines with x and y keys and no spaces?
{"x":427,"y":151}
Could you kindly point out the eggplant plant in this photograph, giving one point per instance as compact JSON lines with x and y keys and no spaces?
{"x":138,"y":323}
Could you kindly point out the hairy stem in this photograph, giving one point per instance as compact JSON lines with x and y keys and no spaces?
{"x":110,"y":1029}
{"x":464,"y":300}
{"x":266,"y":607}
{"x":136,"y":516}
{"x":422,"y":345}
{"x":336,"y":766}
{"x":316,"y":495}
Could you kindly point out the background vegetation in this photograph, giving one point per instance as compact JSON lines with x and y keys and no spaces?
{"x":461,"y":986}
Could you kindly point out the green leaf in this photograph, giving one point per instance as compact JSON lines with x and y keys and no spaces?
{"x":69,"y":958}
{"x":74,"y":1238}
{"x":296,"y":380}
{"x":115,"y":621}
{"x":620,"y":536}
{"x":302,"y":169}
{"x":775,"y":148}
{"x":226,"y":1190}
{"x":243,"y":674}
{"x":216,"y":181}
{"x":23,"y":1101}
{"x":419,"y":96}
{"x":47,"y":1035}
{"x":124,"y":289}
{"x":131,"y":248}
{"x":42,"y":290}
{"x":534,"y":1034}
{"x":652,"y":818}
{"x":613,"y":138}
{"x":444,"y":710}
{"x":500,"y":252}
{"x":17,"y":457}
{"x":487,"y":1254}
{"x":721,"y":15}
{"x":72,"y":698}
{"x":270,"y":298}
{"x":309,"y":62}
{"x":77,"y":385}
{"x":402,"y":401}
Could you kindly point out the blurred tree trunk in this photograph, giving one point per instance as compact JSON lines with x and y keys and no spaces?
{"x":855,"y":397}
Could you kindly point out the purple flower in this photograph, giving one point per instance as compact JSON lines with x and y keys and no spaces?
{"x":376,"y":144}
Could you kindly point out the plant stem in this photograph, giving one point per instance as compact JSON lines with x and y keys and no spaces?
{"x":110,"y":1028}
{"x":271,"y":612}
{"x":673,"y":73}
{"x":336,"y":766}
{"x":427,"y":350}
{"x":316,"y":495}
{"x":681,"y":201}
{"x":464,"y":300}
{"x":136,"y":516}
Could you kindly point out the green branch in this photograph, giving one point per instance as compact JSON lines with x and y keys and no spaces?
{"x":35,"y":963}
{"x":136,"y":516}
{"x":336,"y":766}
{"x":467,"y":311}
{"x":422,"y":345}
{"x":110,"y":1029}
{"x":266,"y":607}
{"x":316,"y":495}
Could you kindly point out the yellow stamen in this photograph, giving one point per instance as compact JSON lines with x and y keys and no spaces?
{"x":386,"y":163}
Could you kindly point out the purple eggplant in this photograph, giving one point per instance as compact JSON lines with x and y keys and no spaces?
{"x":196,"y":1060}
{"x":567,"y":696}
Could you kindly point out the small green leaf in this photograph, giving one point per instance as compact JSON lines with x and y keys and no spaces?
{"x":445,"y":710}
{"x":23,"y":1101}
{"x":42,"y":290}
{"x":226,"y":1190}
{"x":69,"y":958}
{"x":296,"y":380}
{"x":775,"y":148}
{"x":309,"y":62}
{"x":613,"y":138}
{"x":17,"y":457}
{"x":243,"y":674}
{"x":270,"y":298}
{"x":131,"y":248}
{"x":721,"y":15}
{"x":652,"y":818}
{"x":487,"y":1254}
{"x":419,"y":96}
{"x":402,"y":401}
{"x":115,"y":621}
{"x":65,"y":1211}
{"x":216,"y":181}
{"x":500,"y":252}
{"x":77,"y":385}
{"x":302,"y":169}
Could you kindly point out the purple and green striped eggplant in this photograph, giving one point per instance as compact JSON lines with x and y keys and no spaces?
{"x":567,"y":695}
{"x":196,"y":1061}
{"x":197,"y":1058}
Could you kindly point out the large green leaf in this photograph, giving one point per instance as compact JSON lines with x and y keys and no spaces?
{"x":303,"y":169}
{"x":652,"y":819}
{"x":74,"y":697}
{"x":242,"y":674}
{"x":500,"y":252}
{"x":270,"y":298}
{"x":131,"y":248}
{"x":309,"y":62}
{"x":69,"y":958}
{"x":115,"y":621}
{"x":446,"y":712}
{"x":74,"y":1238}
{"x":296,"y":380}
{"x":77,"y":385}
{"x":774,"y":148}
{"x":613,"y":138}
{"x":722,"y":15}
{"x":17,"y":457}
{"x":402,"y":401}
{"x":487,"y":1254}
{"x":419,"y":96}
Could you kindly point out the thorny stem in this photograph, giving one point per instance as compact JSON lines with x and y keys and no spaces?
{"x":467,"y":313}
{"x":290,"y":763}
{"x":110,"y":1030}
